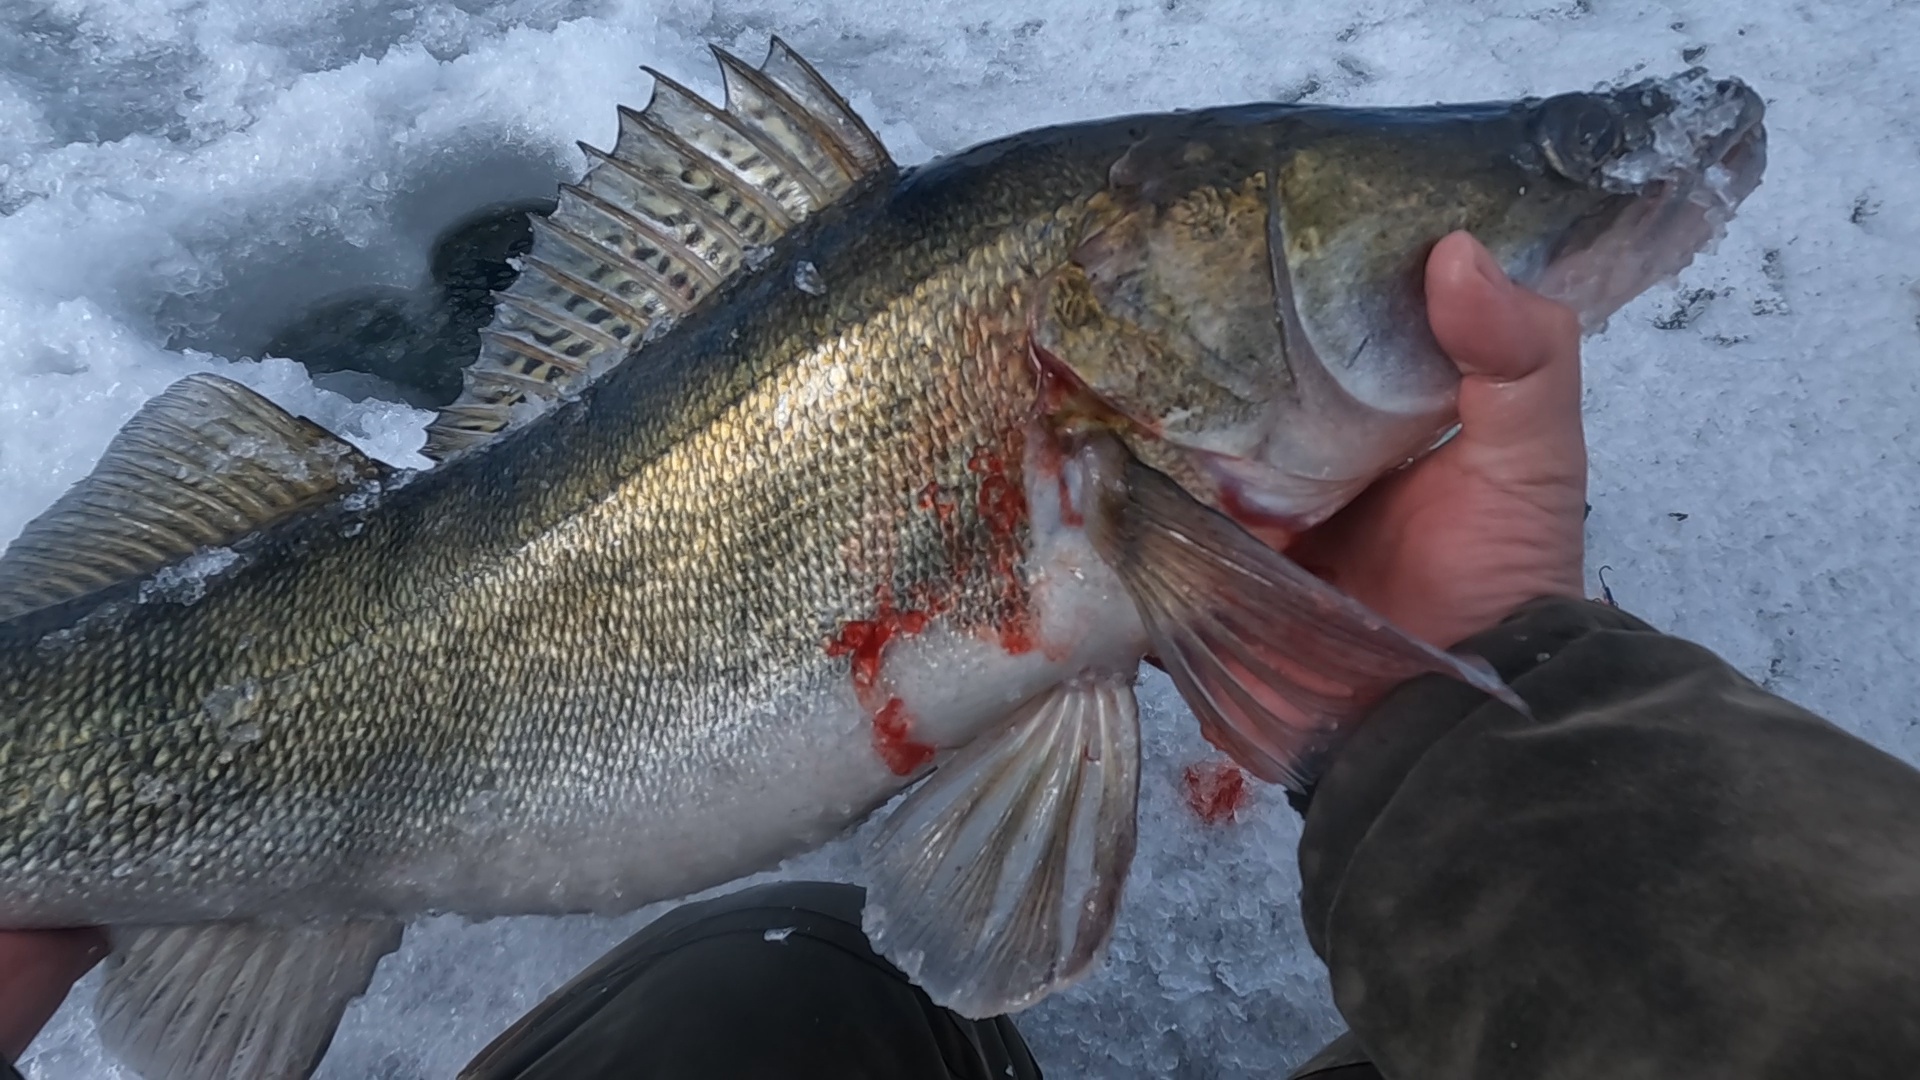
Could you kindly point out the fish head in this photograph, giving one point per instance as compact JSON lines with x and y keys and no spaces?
{"x":1250,"y":309}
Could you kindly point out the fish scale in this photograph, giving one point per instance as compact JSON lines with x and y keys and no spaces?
{"x":651,"y":539}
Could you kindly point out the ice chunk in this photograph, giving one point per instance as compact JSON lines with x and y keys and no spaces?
{"x":1698,"y":116}
{"x":806,"y":278}
{"x":185,"y":582}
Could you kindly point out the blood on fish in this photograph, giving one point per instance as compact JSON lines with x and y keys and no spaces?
{"x":929,"y":599}
{"x":893,"y":739}
{"x":1003,"y":508}
{"x":1269,"y":528}
{"x":1064,"y":401}
{"x":1002,"y":505}
{"x":863,"y":640}
{"x":1050,"y":463}
{"x":1216,"y":790}
{"x":1064,"y":396}
{"x":1016,"y":634}
{"x":935,"y":501}
{"x":866,"y":639}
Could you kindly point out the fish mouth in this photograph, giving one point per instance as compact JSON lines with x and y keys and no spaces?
{"x":1697,"y":150}
{"x":1698,"y":161}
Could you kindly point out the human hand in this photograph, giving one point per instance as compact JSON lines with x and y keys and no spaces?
{"x":1453,"y":544}
{"x":37,"y":968}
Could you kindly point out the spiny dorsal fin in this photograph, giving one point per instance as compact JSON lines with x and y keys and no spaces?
{"x":201,"y":465}
{"x":688,"y":194}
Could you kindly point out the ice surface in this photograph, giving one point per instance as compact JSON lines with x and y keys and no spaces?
{"x":180,"y":177}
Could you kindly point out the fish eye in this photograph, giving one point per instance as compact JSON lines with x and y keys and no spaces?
{"x":1578,"y":133}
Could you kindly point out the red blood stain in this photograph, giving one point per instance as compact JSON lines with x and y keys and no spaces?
{"x":893,"y":740}
{"x":1069,"y":513}
{"x":1016,"y":634}
{"x":1271,"y":529}
{"x":930,"y":599}
{"x":935,"y":501}
{"x":1002,"y":505}
{"x":1003,"y":508}
{"x":1050,"y":462}
{"x":866,"y":639}
{"x":1064,"y":397}
{"x":1058,"y":392}
{"x":1216,"y":790}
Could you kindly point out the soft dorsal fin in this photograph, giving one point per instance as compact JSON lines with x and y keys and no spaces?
{"x":201,"y":465}
{"x":688,"y":194}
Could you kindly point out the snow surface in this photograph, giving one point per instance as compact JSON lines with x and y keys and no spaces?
{"x":179,"y":177}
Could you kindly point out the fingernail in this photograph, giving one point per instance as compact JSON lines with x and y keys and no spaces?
{"x":1489,"y":269}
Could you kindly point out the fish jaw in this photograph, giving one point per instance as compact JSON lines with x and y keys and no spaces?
{"x":1706,"y":155}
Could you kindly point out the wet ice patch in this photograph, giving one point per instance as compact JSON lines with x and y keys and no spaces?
{"x":186,"y":581}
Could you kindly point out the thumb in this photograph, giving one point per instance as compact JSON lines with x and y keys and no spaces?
{"x":1518,"y":355}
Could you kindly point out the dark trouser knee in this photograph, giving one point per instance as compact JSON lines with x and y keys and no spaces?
{"x":1341,"y":1059}
{"x":770,"y":982}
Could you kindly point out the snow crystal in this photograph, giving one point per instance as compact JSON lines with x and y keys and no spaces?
{"x":185,"y":582}
{"x":806,"y":278}
{"x":1698,"y":116}
{"x":181,"y":178}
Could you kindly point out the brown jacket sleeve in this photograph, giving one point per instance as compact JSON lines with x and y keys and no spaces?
{"x":1667,"y":872}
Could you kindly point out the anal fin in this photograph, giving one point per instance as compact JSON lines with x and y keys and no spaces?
{"x":998,"y":880}
{"x":1277,"y":664}
{"x":201,"y":465}
{"x":235,"y":1001}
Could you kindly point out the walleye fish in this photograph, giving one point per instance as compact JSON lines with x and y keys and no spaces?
{"x":786,"y":479}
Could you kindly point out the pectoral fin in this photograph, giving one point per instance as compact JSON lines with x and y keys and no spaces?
{"x":1274,"y":662}
{"x":235,"y":1001}
{"x":998,"y":880}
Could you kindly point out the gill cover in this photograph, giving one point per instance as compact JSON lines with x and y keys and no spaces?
{"x":1252,"y":304}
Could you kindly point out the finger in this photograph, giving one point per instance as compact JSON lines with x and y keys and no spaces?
{"x":36,"y":970}
{"x":1518,"y":353}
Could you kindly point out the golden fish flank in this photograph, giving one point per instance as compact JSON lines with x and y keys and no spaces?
{"x":784,"y":481}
